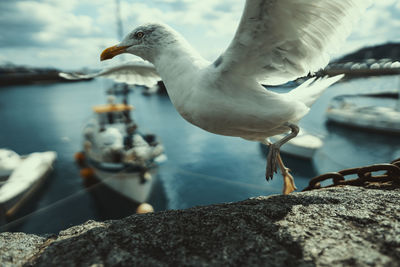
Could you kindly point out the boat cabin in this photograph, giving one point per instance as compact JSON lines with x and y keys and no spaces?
{"x":113,"y":113}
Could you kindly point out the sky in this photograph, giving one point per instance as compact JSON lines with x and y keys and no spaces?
{"x":70,"y":34}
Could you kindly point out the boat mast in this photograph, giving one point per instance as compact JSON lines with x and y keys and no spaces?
{"x":130,"y":126}
{"x":120,"y":35}
{"x":398,"y":93}
{"x":120,"y":29}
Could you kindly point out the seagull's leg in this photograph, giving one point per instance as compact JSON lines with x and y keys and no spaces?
{"x":271,"y":161}
{"x":288,"y":181}
{"x":274,"y":158}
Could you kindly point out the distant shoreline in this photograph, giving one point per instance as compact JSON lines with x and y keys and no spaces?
{"x":15,"y":75}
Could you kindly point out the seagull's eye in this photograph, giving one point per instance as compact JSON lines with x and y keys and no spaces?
{"x":139,"y":35}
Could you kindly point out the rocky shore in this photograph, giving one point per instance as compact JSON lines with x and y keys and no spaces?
{"x":330,"y":227}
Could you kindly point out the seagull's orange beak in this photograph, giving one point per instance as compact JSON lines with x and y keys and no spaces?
{"x":112,"y":51}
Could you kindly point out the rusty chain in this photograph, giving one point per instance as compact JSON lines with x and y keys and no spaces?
{"x":365,"y":177}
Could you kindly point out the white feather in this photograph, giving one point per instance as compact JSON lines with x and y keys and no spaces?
{"x":280,"y":40}
{"x":141,"y":73}
{"x":309,"y":91}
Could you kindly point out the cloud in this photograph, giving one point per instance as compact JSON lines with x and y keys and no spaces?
{"x":42,"y":23}
{"x":50,"y":32}
{"x":72,"y":33}
{"x":17,"y":30}
{"x":379,"y":24}
{"x":208,"y":25}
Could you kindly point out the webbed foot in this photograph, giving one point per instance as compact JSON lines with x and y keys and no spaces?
{"x":288,"y":182}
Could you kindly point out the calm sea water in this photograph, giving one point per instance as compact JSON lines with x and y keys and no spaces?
{"x":202,"y":168}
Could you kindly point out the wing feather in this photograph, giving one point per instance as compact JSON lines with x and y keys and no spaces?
{"x":281,"y":40}
{"x":140,"y":73}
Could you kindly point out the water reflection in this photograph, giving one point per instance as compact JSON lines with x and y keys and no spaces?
{"x":346,"y":147}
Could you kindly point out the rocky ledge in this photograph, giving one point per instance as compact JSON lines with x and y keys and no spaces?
{"x":337,"y":226}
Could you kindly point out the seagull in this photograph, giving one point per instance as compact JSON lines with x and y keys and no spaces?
{"x":276,"y":41}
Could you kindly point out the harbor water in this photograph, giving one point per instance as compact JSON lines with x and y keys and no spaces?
{"x":202,"y":168}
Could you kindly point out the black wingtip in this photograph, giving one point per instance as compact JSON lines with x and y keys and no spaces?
{"x":218,"y":61}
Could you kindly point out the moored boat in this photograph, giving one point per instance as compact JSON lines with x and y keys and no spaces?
{"x":24,"y":179}
{"x":118,"y":154}
{"x":303,"y":146}
{"x":9,"y":160}
{"x":346,"y":111}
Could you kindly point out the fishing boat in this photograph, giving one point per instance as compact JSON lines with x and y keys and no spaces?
{"x":118,"y":154}
{"x":119,"y":89}
{"x":347,"y":110}
{"x":303,"y":146}
{"x":21,"y":176}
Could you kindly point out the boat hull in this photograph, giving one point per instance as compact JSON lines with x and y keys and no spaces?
{"x":303,"y":146}
{"x":25,"y":181}
{"x":134,"y":185}
{"x":298,"y":151}
{"x":364,"y":121}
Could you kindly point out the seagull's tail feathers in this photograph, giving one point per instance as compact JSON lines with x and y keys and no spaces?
{"x":309,"y":91}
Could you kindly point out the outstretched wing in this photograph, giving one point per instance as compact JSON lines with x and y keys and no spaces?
{"x":281,"y":40}
{"x":133,"y":73}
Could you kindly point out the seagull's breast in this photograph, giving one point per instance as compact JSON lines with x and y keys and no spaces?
{"x":223,"y":103}
{"x":228,"y":109}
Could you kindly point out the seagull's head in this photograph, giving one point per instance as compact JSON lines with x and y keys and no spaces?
{"x":145,"y":41}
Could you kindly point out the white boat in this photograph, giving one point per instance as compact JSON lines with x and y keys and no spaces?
{"x":28,"y":173}
{"x":303,"y":146}
{"x":118,"y":154}
{"x":376,"y":118}
{"x":9,"y":160}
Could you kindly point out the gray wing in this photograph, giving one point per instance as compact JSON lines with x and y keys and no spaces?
{"x":140,"y":73}
{"x":281,"y":40}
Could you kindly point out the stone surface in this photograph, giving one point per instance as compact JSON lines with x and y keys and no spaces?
{"x":337,"y":226}
{"x":18,"y":248}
